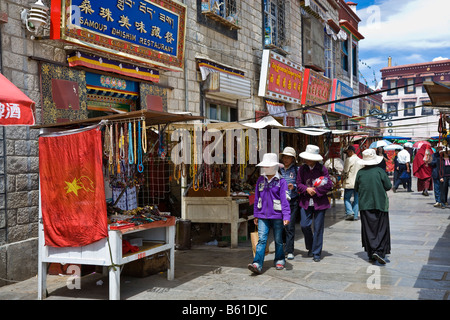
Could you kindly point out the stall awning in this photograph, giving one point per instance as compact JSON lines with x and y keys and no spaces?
{"x":151,"y":118}
{"x":319,"y":132}
{"x":396,"y":138}
{"x":15,"y":107}
{"x":439,"y":93}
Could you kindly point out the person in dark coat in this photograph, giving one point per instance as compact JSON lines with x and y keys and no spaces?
{"x":443,"y":168}
{"x":371,"y":184}
{"x":435,"y":177}
{"x":313,"y":184}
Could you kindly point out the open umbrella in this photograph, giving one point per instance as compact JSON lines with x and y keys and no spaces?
{"x":379,"y":143}
{"x":393,"y":147}
{"x":419,"y":144}
{"x":15,"y":107}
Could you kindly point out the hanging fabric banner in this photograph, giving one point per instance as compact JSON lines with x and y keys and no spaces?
{"x":277,"y":109}
{"x":72,"y":188}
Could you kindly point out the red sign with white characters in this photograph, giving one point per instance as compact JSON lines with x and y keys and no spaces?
{"x":15,"y":107}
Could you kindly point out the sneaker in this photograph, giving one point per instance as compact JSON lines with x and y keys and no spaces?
{"x":378,"y":258}
{"x":437,"y":205}
{"x":290,"y":256}
{"x":253,"y":267}
{"x":350,"y":218}
{"x":279,"y":266}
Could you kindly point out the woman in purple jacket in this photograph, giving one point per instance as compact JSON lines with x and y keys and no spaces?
{"x":313,"y":184}
{"x":271,"y":210}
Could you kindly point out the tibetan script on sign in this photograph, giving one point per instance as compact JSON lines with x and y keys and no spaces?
{"x":147,"y":31}
{"x":280,"y":78}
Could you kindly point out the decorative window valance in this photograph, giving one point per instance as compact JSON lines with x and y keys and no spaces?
{"x":101,"y":63}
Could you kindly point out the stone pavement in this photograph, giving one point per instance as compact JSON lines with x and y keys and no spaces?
{"x":419,"y":266}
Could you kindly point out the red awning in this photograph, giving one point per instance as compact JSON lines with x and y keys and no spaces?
{"x":15,"y":107}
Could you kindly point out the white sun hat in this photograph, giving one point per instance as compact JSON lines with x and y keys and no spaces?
{"x":311,"y":153}
{"x":407,"y":145}
{"x":370,"y":158}
{"x":289,"y":151}
{"x":270,"y":160}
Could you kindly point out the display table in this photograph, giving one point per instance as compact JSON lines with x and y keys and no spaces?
{"x":158,"y":236}
{"x":216,"y":210}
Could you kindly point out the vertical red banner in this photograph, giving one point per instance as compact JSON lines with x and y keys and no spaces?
{"x":72,"y":189}
{"x":55,"y":19}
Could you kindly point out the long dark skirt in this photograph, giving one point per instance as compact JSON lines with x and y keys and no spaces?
{"x":375,"y":232}
{"x":424,"y":184}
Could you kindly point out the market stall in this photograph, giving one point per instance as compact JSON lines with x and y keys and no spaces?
{"x":223,"y":192}
{"x":81,"y":163}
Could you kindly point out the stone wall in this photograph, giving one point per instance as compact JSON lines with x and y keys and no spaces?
{"x":19,"y":191}
{"x":18,"y":145}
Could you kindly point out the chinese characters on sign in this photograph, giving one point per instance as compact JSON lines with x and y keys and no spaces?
{"x":316,"y":88}
{"x":143,"y":29}
{"x":280,"y":79}
{"x":9,"y":111}
{"x":137,"y":21}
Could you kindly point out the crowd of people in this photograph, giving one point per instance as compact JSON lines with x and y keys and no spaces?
{"x":286,"y":191}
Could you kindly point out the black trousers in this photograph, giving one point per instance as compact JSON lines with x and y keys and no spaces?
{"x":401,"y":168}
{"x":375,"y":232}
{"x":443,"y":187}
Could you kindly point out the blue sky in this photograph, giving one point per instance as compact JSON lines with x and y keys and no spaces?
{"x":410,"y":31}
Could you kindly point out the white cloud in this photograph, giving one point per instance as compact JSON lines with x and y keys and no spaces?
{"x":374,"y":61}
{"x":439,"y":58}
{"x":400,"y":25}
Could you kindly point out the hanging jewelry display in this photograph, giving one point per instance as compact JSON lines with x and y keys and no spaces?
{"x":140,"y":165}
{"x":130,"y":145}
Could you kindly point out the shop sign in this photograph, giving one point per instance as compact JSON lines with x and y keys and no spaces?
{"x":147,"y":31}
{"x":280,"y":79}
{"x":340,"y":90}
{"x":316,"y":88}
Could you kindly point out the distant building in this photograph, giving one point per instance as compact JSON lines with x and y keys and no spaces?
{"x":370,"y":111}
{"x":406,"y":105}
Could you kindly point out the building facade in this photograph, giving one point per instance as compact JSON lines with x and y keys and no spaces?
{"x":203,"y":57}
{"x":371,"y":111}
{"x":409,"y":115}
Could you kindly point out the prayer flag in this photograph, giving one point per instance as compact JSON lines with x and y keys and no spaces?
{"x":72,"y":188}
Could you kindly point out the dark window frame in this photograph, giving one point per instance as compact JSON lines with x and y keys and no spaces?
{"x":216,"y":26}
{"x":389,"y":84}
{"x":409,"y":112}
{"x":410,"y":89}
{"x":390,"y":107}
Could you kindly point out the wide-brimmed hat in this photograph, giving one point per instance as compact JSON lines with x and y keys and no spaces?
{"x":370,"y":158}
{"x":270,"y":160}
{"x":407,"y":145}
{"x":289,"y":151}
{"x":311,"y":153}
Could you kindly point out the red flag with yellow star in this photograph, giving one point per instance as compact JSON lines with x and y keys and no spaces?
{"x":72,"y":188}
